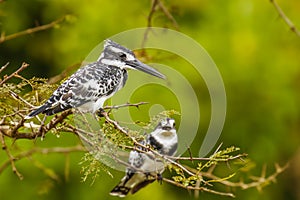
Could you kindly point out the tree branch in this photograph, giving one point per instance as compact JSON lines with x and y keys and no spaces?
{"x":257,"y":182}
{"x":198,"y":178}
{"x":13,"y":132}
{"x":285,"y":18}
{"x":154,"y":5}
{"x":239,"y":156}
{"x":64,"y":150}
{"x":168,"y":14}
{"x":4,"y":38}
{"x":198,"y":188}
{"x":4,"y":67}
{"x":6,"y":78}
{"x":121,"y":129}
{"x":11,"y":159}
{"x":125,"y":105}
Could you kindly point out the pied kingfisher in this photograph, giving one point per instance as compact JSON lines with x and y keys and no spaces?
{"x":89,"y":87}
{"x":145,"y":166}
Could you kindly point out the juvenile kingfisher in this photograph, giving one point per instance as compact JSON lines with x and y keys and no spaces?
{"x":144,"y":167}
{"x":89,"y":87}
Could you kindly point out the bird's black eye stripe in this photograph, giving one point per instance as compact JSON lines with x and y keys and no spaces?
{"x":122,"y":56}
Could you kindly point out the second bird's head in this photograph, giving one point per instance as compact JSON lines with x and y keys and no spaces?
{"x":166,"y":128}
{"x":119,"y":56}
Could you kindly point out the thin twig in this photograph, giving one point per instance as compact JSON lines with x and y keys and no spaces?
{"x":13,"y":132}
{"x":149,"y":21}
{"x":190,"y":154}
{"x":64,"y":150}
{"x":10,"y":157}
{"x":258,"y":182}
{"x":198,"y":188}
{"x":168,"y":14}
{"x":115,"y":107}
{"x":121,"y":129}
{"x":17,"y":97}
{"x":154,"y":5}
{"x":4,"y":67}
{"x":209,"y":158}
{"x":218,"y":148}
{"x":152,"y":11}
{"x":285,"y":18}
{"x":4,"y":38}
{"x":116,"y":125}
{"x":6,"y":78}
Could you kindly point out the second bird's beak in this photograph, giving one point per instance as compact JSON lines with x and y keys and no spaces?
{"x":136,"y":64}
{"x":167,"y":128}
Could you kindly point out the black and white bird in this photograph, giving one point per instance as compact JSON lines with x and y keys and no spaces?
{"x":145,"y":166}
{"x":89,"y":87}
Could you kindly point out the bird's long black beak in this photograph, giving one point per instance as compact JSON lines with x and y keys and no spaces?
{"x":136,"y":64}
{"x":167,"y":128}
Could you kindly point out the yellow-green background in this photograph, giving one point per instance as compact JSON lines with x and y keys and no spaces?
{"x":256,"y":53}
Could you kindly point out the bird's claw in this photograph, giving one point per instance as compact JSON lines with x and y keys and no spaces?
{"x":159,"y":178}
{"x":101,"y":113}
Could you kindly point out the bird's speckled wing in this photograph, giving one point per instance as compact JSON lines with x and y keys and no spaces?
{"x":87,"y":85}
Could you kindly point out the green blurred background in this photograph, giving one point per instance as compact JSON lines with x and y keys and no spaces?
{"x":256,"y":53}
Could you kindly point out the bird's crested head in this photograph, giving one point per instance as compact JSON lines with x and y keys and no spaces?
{"x":119,"y":56}
{"x":166,"y":127}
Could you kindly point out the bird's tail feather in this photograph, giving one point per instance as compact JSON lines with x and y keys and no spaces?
{"x":37,"y":111}
{"x":121,"y":190}
{"x":131,"y":185}
{"x":58,"y":108}
{"x":46,"y":109}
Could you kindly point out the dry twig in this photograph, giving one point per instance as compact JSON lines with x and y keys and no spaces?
{"x":14,"y":126}
{"x":4,"y":67}
{"x":285,"y":18}
{"x":154,"y":6}
{"x":198,"y":188}
{"x":10,"y":157}
{"x":13,"y":132}
{"x":64,"y":150}
{"x":125,"y":105}
{"x":52,"y":24}
{"x":6,"y":78}
{"x":239,"y":156}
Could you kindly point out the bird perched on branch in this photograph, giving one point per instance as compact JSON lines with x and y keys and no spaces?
{"x":89,"y":87}
{"x":144,"y":166}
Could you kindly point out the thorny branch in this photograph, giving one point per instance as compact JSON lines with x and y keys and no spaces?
{"x":29,"y":153}
{"x":6,"y":78}
{"x":157,"y":4}
{"x":11,"y":158}
{"x":4,"y":67}
{"x":36,"y":130}
{"x":167,"y":14}
{"x":198,"y":188}
{"x":52,"y":24}
{"x":239,"y":156}
{"x":121,"y":129}
{"x":14,"y":126}
{"x":124,"y":105}
{"x":258,"y":182}
{"x":285,"y":18}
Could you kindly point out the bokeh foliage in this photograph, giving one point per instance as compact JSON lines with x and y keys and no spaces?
{"x":257,"y":55}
